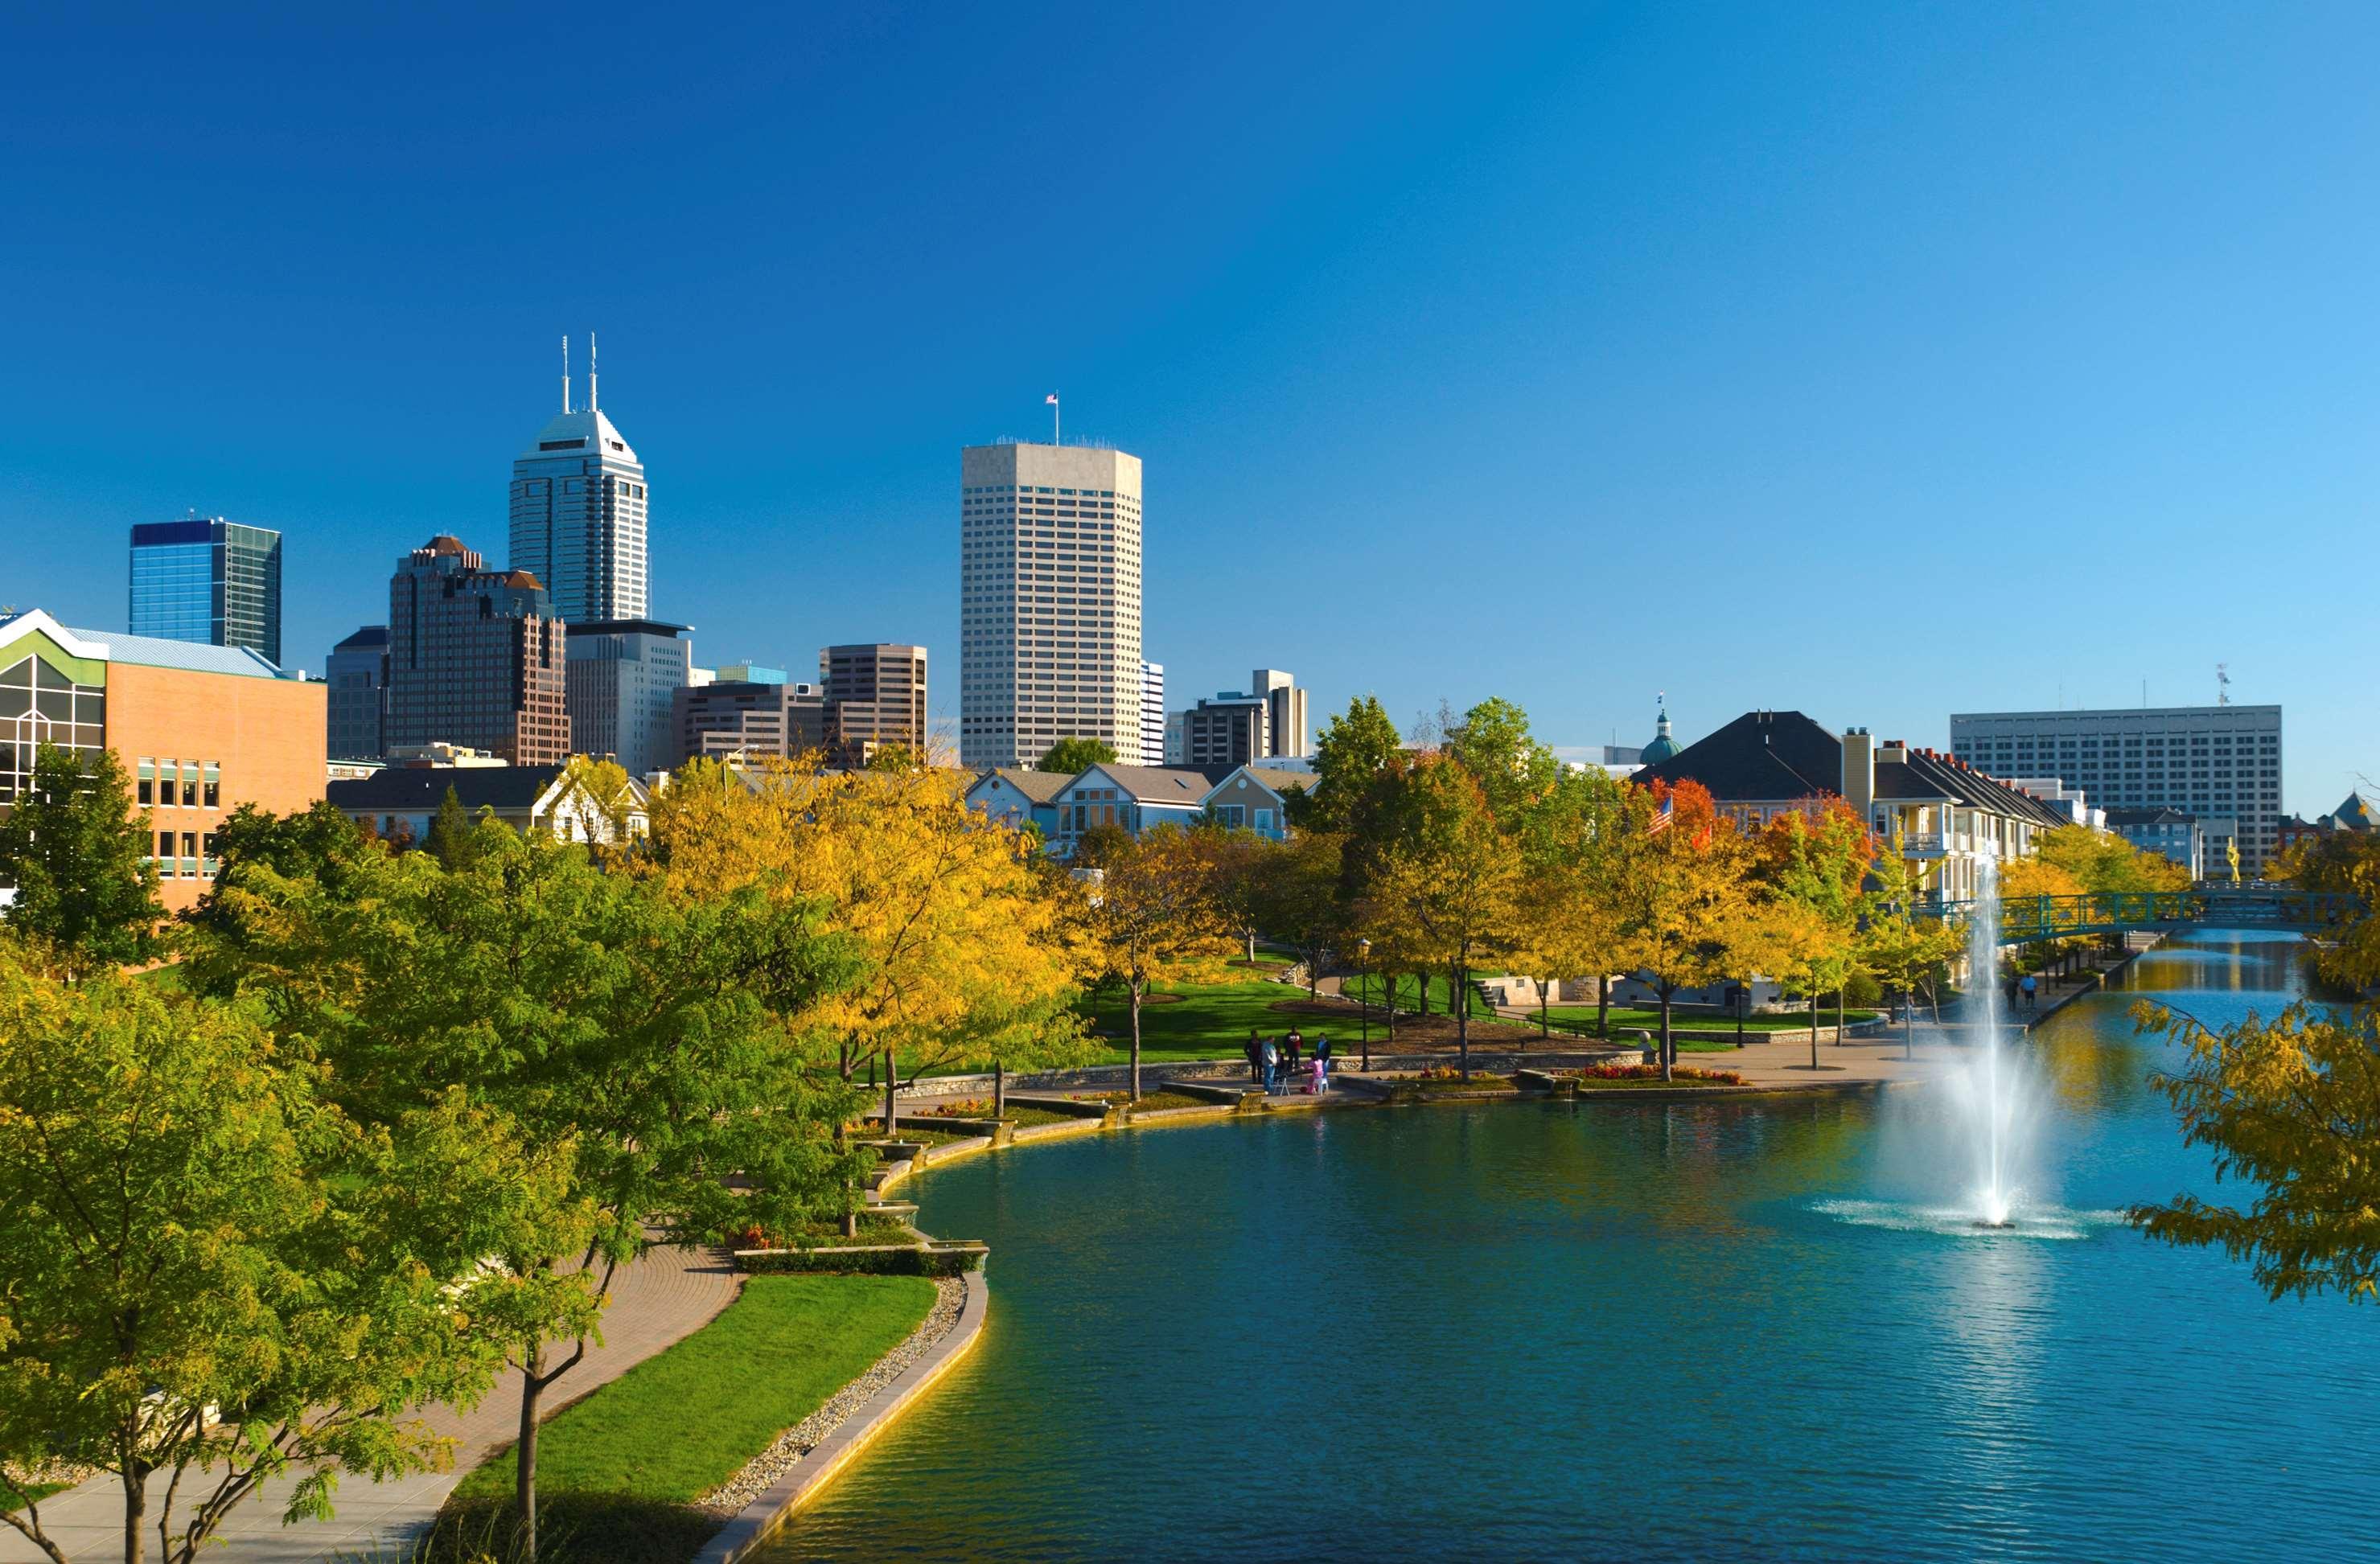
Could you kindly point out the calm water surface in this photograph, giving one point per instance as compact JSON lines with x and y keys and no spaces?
{"x":1543,"y":1331}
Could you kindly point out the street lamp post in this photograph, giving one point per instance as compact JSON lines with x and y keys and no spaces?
{"x":1363,"y":998}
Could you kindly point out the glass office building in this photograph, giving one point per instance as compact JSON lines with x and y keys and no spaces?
{"x":212,"y":581}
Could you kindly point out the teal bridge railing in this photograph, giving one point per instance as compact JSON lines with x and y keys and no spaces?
{"x":2024,"y":919}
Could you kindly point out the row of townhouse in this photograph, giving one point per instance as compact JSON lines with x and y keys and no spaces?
{"x":1133,"y":798}
{"x":1951,"y":819}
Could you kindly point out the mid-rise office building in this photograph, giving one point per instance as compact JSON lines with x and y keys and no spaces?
{"x":2167,"y":832}
{"x":476,"y":658}
{"x":578,"y":516}
{"x":2221,"y":764}
{"x":1232,"y":729}
{"x":1048,"y":600}
{"x":749,"y":718}
{"x":875,"y":696}
{"x":200,"y":730}
{"x":1266,"y":721}
{"x":620,"y":679}
{"x":1152,"y":714}
{"x":208,"y":581}
{"x":357,"y":676}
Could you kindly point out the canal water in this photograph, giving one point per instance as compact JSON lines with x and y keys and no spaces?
{"x":1546,"y":1331}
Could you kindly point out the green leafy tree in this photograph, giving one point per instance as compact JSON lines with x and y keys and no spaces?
{"x":1072,"y":757}
{"x":653,"y":1043}
{"x":2291,"y":1108}
{"x":1293,"y":893}
{"x":1816,"y":862}
{"x":1353,"y":751}
{"x":450,"y":832}
{"x":1447,"y":892}
{"x":305,"y":843}
{"x":187,"y":1231}
{"x":77,"y":855}
{"x":1516,"y":774}
{"x":1566,"y":843}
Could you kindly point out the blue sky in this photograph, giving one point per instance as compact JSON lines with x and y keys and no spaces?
{"x":1880,"y":362}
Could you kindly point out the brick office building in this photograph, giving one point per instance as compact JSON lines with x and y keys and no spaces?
{"x":200,"y":730}
{"x":476,"y":657}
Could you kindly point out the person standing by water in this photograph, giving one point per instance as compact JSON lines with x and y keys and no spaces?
{"x":1270,"y":1062}
{"x":1254,"y":1050}
{"x":1296,"y":1041}
{"x":1321,"y":1062}
{"x":2032,"y":993}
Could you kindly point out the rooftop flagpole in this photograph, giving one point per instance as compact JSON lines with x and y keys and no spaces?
{"x":1053,"y":400}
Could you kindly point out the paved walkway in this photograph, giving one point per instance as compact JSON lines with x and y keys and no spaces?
{"x":659,"y":1299}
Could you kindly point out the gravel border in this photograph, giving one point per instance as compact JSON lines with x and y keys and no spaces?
{"x":728,"y":1500}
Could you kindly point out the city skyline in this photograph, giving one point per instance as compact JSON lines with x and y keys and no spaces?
{"x":1620,"y":323}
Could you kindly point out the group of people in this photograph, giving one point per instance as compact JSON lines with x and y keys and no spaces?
{"x":2023,"y":994}
{"x":1274,"y":1063}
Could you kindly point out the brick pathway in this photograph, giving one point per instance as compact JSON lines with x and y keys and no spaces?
{"x":661,"y":1299}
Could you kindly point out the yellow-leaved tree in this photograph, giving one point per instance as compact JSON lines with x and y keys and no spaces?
{"x":1155,"y":910}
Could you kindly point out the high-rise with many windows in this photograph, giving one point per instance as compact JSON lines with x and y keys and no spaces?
{"x":476,"y":657}
{"x":578,"y":516}
{"x":2221,"y":764}
{"x":1048,"y":600}
{"x":208,"y":581}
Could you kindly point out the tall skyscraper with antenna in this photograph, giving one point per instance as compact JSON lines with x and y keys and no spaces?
{"x":578,"y":510}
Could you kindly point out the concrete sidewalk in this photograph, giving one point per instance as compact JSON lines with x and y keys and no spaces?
{"x":659,"y":1299}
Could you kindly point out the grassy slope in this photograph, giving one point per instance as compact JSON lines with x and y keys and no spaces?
{"x":626,"y":1461}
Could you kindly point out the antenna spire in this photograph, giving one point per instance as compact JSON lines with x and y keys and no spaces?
{"x":591,"y":403}
{"x":566,"y":374}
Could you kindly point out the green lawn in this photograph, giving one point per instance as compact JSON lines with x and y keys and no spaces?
{"x":626,"y":1465}
{"x":1197,"y":1021}
{"x":34,"y":1494}
{"x":1370,"y":986}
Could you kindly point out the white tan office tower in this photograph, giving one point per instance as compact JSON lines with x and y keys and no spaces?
{"x":1048,"y":600}
{"x":578,"y":514}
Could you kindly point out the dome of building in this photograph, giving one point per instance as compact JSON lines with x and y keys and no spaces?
{"x":1663,"y":746}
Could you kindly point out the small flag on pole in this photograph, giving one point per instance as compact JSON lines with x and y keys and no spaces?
{"x":1053,"y":400}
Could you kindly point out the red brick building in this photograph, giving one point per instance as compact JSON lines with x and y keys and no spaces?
{"x":476,"y":657}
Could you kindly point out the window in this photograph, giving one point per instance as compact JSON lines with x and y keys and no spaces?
{"x":214,"y":785}
{"x":165,"y":854}
{"x":147,"y":792}
{"x":189,"y":786}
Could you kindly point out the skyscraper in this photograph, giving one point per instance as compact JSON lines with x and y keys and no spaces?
{"x":578,"y":514}
{"x":476,"y":657}
{"x":1286,"y":708}
{"x":1048,"y":600}
{"x":208,"y":581}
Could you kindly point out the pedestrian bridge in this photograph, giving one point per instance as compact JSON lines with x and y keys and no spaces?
{"x":2024,"y":919}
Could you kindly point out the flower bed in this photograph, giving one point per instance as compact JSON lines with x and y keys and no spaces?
{"x":1446,"y":1078}
{"x":1641,"y":1074}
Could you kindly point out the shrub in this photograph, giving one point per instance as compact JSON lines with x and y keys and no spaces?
{"x":1653,"y":1073}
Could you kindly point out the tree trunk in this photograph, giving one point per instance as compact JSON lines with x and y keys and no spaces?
{"x":1603,"y":1007}
{"x":525,"y":1457}
{"x":1422,"y":1002}
{"x":1908,"y":1022}
{"x":999,"y":1091}
{"x":1461,"y":1001}
{"x":1251,"y":947}
{"x":1743,"y":1003}
{"x":1135,"y":1043}
{"x":892,"y":1084}
{"x":1840,"y":1014}
{"x":1666,"y":1074}
{"x":136,"y":1507}
{"x":1814,"y":1028}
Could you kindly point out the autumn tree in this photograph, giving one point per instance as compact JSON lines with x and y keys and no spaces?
{"x":2102,"y":861}
{"x":2342,"y":862}
{"x":2290,"y":1107}
{"x":185,"y":1225}
{"x":1818,"y":860}
{"x":79,"y":856}
{"x":1447,"y":890}
{"x":1154,"y":913}
{"x":1679,"y":887}
{"x":1072,"y":757}
{"x":1898,"y":940}
{"x":1567,"y":845}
